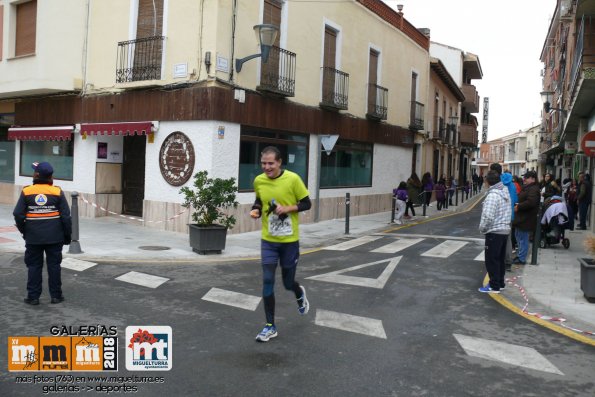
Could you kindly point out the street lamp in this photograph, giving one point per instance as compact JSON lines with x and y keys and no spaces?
{"x":546,"y":98}
{"x":266,"y":35}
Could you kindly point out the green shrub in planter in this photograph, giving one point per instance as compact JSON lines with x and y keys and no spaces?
{"x":209,"y":198}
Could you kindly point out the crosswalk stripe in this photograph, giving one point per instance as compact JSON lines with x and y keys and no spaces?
{"x":350,"y":323}
{"x":145,"y":280}
{"x":520,"y":356}
{"x":445,"y":249}
{"x":230,"y":298}
{"x":76,"y":264}
{"x":397,"y":245}
{"x":353,"y":243}
{"x":480,"y":257}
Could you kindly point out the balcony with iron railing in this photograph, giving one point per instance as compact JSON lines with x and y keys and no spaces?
{"x":377,"y":102}
{"x":471,"y":102}
{"x":416,"y":120}
{"x":583,"y":63}
{"x":335,"y":89}
{"x":454,"y":121}
{"x":277,"y":75}
{"x":139,"y":60}
{"x":468,"y":135}
{"x":439,"y":129}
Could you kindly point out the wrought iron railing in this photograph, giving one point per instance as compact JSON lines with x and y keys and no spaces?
{"x":416,"y":121}
{"x":277,"y":75}
{"x":438,"y":131}
{"x":377,"y":102}
{"x":140,"y":59}
{"x":335,"y":88}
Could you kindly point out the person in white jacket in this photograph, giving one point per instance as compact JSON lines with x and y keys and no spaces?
{"x":495,"y":224}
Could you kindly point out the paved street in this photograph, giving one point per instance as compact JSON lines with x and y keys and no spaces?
{"x":392,"y":313}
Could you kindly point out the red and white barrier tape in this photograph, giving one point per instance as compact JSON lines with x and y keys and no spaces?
{"x":126,"y":216}
{"x":560,"y":320}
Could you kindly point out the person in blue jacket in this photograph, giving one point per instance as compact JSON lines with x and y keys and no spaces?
{"x":506,"y":179}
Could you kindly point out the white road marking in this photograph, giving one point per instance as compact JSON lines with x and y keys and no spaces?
{"x":230,"y":298}
{"x":398,"y":245}
{"x":145,"y":280}
{"x":445,"y":249}
{"x":350,"y":323}
{"x":480,"y":257}
{"x":76,"y":264}
{"x":470,"y":239}
{"x":339,"y":278}
{"x":353,"y":243}
{"x":520,"y":356}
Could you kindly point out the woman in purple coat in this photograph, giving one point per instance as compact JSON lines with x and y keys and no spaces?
{"x":428,"y":186}
{"x":440,"y":194}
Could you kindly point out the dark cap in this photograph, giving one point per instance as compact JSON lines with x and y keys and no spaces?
{"x":44,"y":169}
{"x":530,"y":174}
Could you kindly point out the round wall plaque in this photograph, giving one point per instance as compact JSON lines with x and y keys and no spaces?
{"x":176,"y":159}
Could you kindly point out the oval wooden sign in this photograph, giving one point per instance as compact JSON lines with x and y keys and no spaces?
{"x":176,"y":159}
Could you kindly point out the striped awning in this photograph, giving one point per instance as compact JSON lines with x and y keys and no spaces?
{"x":59,"y":133}
{"x":125,"y":128}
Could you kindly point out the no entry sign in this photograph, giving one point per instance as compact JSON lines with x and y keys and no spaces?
{"x":588,"y":144}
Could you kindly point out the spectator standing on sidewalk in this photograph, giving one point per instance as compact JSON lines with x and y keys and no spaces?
{"x":413,"y":192}
{"x":280,"y":195}
{"x":480,"y":183}
{"x":572,"y":203}
{"x":506,"y":179}
{"x":495,"y":224}
{"x":440,"y":194}
{"x":428,"y":185}
{"x":525,"y":215}
{"x":451,"y":189}
{"x":475,"y":180}
{"x":583,"y":199}
{"x":400,"y":193}
{"x":42,"y":215}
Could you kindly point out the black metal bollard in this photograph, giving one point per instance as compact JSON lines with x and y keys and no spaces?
{"x":536,"y":239}
{"x":394,"y":207}
{"x":457,"y":196}
{"x":75,"y":246}
{"x":347,"y":205}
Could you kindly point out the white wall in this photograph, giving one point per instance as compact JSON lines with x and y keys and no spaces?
{"x":218,"y":156}
{"x":451,"y":58}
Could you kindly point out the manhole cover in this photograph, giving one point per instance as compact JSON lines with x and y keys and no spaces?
{"x":153,"y":248}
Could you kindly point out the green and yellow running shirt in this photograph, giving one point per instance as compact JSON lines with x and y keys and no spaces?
{"x":287,"y":189}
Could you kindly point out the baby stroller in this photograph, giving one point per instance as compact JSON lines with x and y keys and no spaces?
{"x":553,"y":223}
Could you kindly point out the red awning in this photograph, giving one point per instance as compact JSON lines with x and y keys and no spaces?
{"x":63,"y":133}
{"x":129,"y":128}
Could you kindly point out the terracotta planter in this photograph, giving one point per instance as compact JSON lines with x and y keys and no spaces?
{"x":207,"y":239}
{"x":588,"y":278}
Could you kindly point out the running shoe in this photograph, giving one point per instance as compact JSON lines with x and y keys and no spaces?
{"x":487,"y":288}
{"x":269,"y":331}
{"x":303,"y":304}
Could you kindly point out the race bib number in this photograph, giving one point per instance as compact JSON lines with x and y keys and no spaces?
{"x":280,"y":227}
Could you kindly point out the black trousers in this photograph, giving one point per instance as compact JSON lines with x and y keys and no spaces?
{"x":34,"y":261}
{"x":495,"y":252}
{"x":409,"y":206}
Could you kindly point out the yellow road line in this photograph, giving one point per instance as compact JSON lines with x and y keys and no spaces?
{"x":554,"y":327}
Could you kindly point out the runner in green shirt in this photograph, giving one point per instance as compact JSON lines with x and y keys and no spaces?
{"x":280,"y":195}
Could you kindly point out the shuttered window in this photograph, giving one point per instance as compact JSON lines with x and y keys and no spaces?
{"x":272,"y":16}
{"x":1,"y":28}
{"x":26,"y":28}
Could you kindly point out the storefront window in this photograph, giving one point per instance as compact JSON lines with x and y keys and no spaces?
{"x":57,"y":153}
{"x":348,"y":165}
{"x":6,"y":157}
{"x":293,"y":147}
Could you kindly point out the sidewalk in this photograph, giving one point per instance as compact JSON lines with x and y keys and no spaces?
{"x":549,"y":290}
